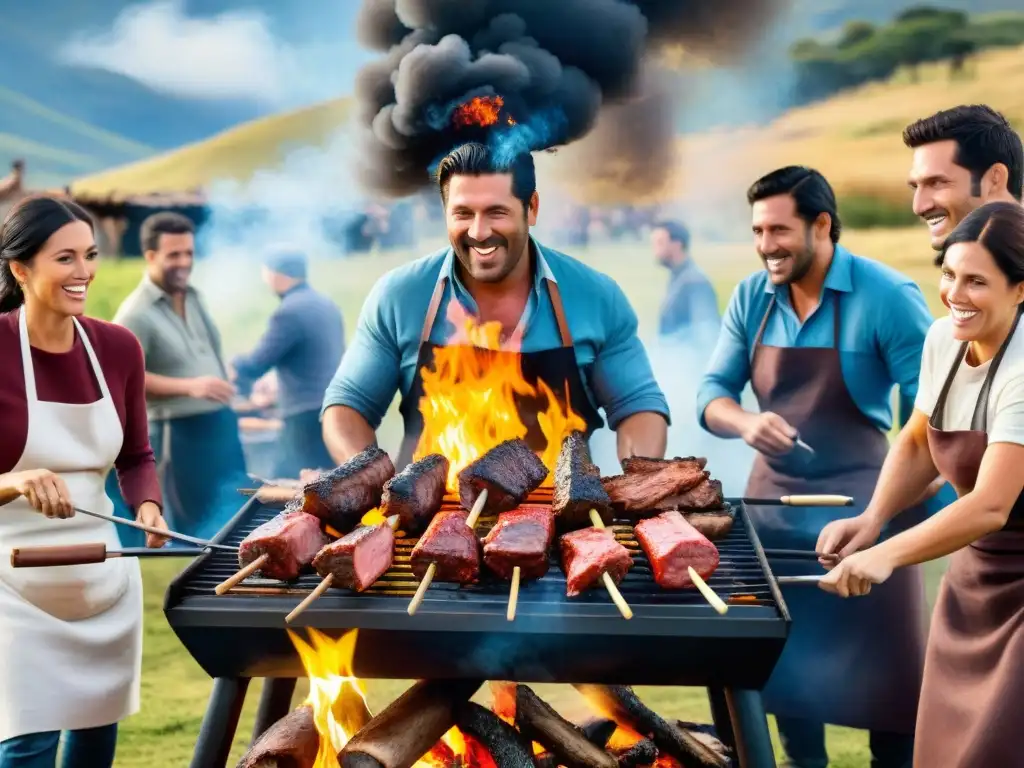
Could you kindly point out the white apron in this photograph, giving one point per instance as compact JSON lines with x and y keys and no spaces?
{"x":70,"y":636}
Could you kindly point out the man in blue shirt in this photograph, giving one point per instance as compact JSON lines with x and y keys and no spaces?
{"x":690,"y":304}
{"x":570,"y":326}
{"x":823,"y":336}
{"x":304,"y":343}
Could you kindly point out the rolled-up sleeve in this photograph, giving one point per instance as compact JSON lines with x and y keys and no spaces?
{"x":278,"y":340}
{"x":904,"y":322}
{"x":728,"y":370}
{"x":623,"y":381}
{"x":368,"y":376}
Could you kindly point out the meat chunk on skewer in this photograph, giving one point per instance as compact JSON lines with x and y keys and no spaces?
{"x":521,"y":537}
{"x":705,"y":495}
{"x":638,"y":492}
{"x":290,"y":541}
{"x":715,"y":524}
{"x":589,"y":552}
{"x":508,"y":472}
{"x":342,"y":496}
{"x":452,"y":546}
{"x":673,"y":545}
{"x":415,"y":493}
{"x":359,"y":558}
{"x":578,"y":486}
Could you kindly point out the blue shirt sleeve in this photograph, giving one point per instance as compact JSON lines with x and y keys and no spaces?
{"x":901,"y":336}
{"x":368,"y":376}
{"x":276,"y":342}
{"x":728,"y":370}
{"x":623,"y":381}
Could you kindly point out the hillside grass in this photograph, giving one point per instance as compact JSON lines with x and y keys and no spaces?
{"x":175,"y":689}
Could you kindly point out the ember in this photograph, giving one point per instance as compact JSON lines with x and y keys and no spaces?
{"x":482,"y":111}
{"x":469,"y":400}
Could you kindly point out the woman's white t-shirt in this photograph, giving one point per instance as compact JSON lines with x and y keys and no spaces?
{"x":1006,"y":399}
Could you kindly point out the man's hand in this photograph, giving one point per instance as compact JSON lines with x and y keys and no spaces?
{"x":149,"y":514}
{"x":846,"y":536}
{"x":856,"y":575}
{"x":769,"y":433}
{"x":211,"y":388}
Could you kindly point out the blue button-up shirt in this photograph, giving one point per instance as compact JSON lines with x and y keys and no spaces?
{"x":383,"y":354}
{"x":883,"y":323}
{"x":690,"y":303}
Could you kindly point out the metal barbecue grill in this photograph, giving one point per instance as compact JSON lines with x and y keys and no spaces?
{"x":674,"y":637}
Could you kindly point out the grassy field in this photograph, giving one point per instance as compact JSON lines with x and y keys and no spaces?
{"x":175,"y":690}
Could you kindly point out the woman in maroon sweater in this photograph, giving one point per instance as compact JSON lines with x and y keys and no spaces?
{"x":72,"y":404}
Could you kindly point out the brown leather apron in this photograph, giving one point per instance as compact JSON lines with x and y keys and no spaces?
{"x":970,"y":715}
{"x":556,"y":367}
{"x":856,"y":663}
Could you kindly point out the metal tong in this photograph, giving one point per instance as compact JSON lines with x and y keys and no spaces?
{"x":158,"y":531}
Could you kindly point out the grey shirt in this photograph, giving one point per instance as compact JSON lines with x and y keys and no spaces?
{"x":182,"y":348}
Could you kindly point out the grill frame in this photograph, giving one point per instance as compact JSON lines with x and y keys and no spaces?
{"x":459,"y":632}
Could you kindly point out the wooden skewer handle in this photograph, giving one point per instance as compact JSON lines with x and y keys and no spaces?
{"x":421,"y":590}
{"x":817,"y":500}
{"x":72,"y":554}
{"x":228,"y":584}
{"x":322,"y":587}
{"x":609,"y":582}
{"x":478,"y":508}
{"x":709,"y":594}
{"x":513,"y":597}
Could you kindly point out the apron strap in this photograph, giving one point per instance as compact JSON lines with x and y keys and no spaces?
{"x":940,"y":403}
{"x":96,"y":368}
{"x":835,"y":320}
{"x":31,"y":396}
{"x":435,"y":303}
{"x":979,"y":420}
{"x":559,"y":309}
{"x":760,"y":330}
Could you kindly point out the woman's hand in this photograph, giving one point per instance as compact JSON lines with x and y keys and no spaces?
{"x":45,"y":492}
{"x":857,"y":573}
{"x":846,"y":536}
{"x":149,"y":514}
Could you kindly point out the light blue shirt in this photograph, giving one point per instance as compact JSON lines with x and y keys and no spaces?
{"x":883,"y":323}
{"x":382,"y":357}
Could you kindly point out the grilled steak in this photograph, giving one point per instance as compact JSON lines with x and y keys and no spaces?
{"x":358,"y":559}
{"x":637,"y":464}
{"x":509,"y":472}
{"x":643,"y":491}
{"x":342,"y":496}
{"x":452,"y":545}
{"x":589,"y":552}
{"x":522,"y":537}
{"x":415,"y":493}
{"x":705,"y":495}
{"x":715,"y":524}
{"x":578,"y":486}
{"x":290,"y":540}
{"x":672,"y":545}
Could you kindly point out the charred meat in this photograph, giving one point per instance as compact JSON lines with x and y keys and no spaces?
{"x":521,"y":537}
{"x":589,"y":552}
{"x":578,"y":486}
{"x":415,"y":493}
{"x":452,"y":546}
{"x":638,"y":464}
{"x":508,"y":472}
{"x":342,"y":496}
{"x":705,"y":495}
{"x":673,"y":545}
{"x":643,"y":491}
{"x":290,"y":541}
{"x":715,"y":524}
{"x":359,"y":558}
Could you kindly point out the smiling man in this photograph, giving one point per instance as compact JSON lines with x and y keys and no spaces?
{"x":571,"y":326}
{"x":823,"y":337}
{"x":964,"y":157}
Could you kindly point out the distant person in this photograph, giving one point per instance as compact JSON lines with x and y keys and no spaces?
{"x":823,"y":337}
{"x":193,"y":428}
{"x":690,"y":303}
{"x":303,"y":343}
{"x":72,"y":404}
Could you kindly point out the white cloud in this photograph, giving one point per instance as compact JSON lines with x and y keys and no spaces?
{"x":230,"y":56}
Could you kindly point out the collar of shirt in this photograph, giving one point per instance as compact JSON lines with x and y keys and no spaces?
{"x":838,"y":278}
{"x":155,"y":293}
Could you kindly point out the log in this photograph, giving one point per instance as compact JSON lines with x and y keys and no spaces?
{"x":507,"y":747}
{"x":566,"y":741}
{"x":291,"y":742}
{"x":599,"y":731}
{"x":410,"y":726}
{"x":620,"y":703}
{"x":642,"y":753}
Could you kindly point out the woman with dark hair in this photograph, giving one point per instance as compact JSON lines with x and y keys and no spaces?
{"x":72,"y":404}
{"x":968,"y":427}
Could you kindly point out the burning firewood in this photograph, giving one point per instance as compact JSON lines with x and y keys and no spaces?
{"x":599,"y":731}
{"x":291,"y":742}
{"x":620,"y":703}
{"x":507,"y":747}
{"x":539,"y":722}
{"x":410,"y":726}
{"x":642,"y":753}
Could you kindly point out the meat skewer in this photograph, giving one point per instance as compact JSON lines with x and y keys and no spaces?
{"x":343,"y":561}
{"x":617,"y":561}
{"x":578,"y":488}
{"x":517,"y":546}
{"x":415,"y":494}
{"x":342,"y":496}
{"x":279,"y":548}
{"x":509,"y":472}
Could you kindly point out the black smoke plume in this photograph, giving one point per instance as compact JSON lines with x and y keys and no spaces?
{"x":555,"y":65}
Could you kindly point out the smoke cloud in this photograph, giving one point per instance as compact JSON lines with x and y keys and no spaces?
{"x":556,"y":66}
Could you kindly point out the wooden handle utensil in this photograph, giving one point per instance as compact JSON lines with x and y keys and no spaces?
{"x":84,"y":554}
{"x":609,"y":583}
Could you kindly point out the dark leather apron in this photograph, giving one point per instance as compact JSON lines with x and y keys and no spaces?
{"x":555,"y":367}
{"x":974,"y":669}
{"x":855,"y":663}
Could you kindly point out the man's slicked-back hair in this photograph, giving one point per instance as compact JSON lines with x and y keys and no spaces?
{"x":810,"y":191}
{"x":163,"y":223}
{"x":983,"y":138}
{"x":479,"y":160}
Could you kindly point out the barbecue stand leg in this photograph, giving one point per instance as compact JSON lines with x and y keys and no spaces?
{"x":275,"y":703}
{"x":220,"y":722}
{"x":750,"y":729}
{"x":720,"y":717}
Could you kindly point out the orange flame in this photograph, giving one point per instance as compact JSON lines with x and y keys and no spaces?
{"x":482,"y":111}
{"x":469,"y":400}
